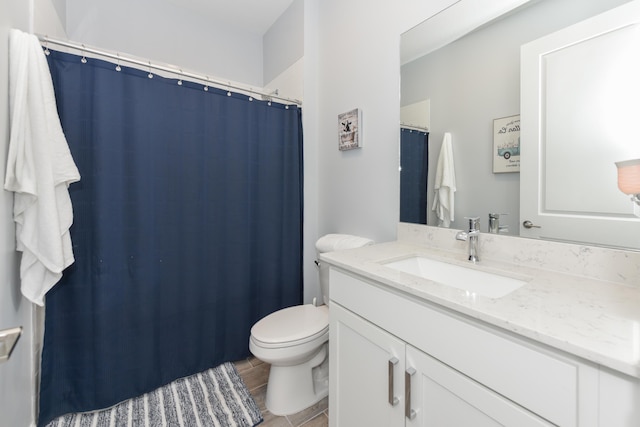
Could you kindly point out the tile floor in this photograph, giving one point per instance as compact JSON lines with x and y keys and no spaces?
{"x":254,"y":372}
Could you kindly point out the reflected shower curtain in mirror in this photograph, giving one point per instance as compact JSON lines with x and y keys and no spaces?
{"x":414,"y":162}
{"x":188,"y":229}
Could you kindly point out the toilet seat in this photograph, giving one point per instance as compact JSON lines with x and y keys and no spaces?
{"x":291,"y":326}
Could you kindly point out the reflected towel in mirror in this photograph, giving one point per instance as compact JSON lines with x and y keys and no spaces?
{"x":445,"y":184}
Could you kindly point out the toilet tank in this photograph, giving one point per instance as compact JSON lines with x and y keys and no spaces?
{"x":331,"y":243}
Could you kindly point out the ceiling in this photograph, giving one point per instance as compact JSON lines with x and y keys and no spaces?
{"x":255,"y":15}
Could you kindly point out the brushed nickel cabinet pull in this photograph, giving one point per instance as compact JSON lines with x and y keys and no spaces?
{"x":408,"y":412}
{"x":393,"y":401}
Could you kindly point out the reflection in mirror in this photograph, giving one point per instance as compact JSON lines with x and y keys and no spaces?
{"x":414,"y":161}
{"x":414,"y":158}
{"x":474,"y":80}
{"x":579,"y":104}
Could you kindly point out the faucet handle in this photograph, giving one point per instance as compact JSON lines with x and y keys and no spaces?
{"x":496,"y":215}
{"x":494,"y":223}
{"x":474,"y":223}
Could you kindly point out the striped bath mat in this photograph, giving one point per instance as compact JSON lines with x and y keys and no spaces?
{"x":216,"y":397}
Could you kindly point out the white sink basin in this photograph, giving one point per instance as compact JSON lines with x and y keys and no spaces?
{"x":475,"y":281}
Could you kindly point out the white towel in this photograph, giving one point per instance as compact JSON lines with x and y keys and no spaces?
{"x":336,"y":242}
{"x":445,"y":184}
{"x":39,"y":170}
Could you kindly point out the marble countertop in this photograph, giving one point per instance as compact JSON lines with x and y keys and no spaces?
{"x":593,"y":319}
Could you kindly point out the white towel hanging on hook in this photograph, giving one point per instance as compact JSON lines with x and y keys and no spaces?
{"x":39,"y":170}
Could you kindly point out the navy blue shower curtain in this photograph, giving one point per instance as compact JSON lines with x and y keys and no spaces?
{"x":187,"y":230}
{"x":414,"y":160}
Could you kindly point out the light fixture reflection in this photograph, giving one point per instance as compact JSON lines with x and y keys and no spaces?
{"x":629,"y":180}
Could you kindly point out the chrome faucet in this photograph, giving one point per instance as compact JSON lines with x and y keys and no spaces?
{"x":494,"y":224}
{"x":472,"y":237}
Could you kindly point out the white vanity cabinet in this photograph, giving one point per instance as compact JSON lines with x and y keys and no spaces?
{"x":382,"y":381}
{"x":458,"y":371}
{"x":366,"y":363}
{"x":441,"y":396}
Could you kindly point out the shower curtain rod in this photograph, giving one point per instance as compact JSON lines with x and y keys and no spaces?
{"x":408,"y":126}
{"x":149,"y":65}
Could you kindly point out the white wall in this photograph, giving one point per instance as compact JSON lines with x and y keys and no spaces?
{"x":49,"y":18}
{"x":310,"y":151}
{"x":17,"y":388}
{"x":160,"y":31}
{"x":283,"y":43}
{"x":289,"y":83}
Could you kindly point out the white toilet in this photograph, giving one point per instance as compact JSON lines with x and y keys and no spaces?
{"x":294,"y":341}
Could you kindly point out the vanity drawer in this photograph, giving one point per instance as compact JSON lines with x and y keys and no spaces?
{"x":545,"y":383}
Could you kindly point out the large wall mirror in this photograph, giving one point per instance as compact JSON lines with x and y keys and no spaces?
{"x":465,"y":82}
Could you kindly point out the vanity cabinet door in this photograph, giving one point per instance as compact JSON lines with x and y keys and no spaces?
{"x":366,"y":373}
{"x":619,"y":399}
{"x":441,"y":396}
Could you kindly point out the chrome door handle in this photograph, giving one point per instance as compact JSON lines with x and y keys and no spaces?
{"x":529,"y":224}
{"x":393,"y":401}
{"x":408,"y":412}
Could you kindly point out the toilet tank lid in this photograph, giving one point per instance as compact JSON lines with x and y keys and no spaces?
{"x":336,"y":242}
{"x":291,"y":324}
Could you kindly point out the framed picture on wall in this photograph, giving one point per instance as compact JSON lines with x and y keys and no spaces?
{"x":506,"y":144}
{"x":350,"y":130}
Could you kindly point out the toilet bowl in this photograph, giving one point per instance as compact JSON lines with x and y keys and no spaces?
{"x":295,"y":340}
